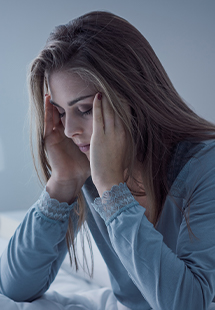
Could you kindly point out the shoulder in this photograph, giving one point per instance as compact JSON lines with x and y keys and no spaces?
{"x":198,"y":171}
{"x":204,"y":159}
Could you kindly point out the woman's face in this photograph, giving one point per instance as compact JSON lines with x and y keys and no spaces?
{"x":73,"y":98}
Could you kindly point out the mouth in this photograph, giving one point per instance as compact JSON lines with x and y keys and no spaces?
{"x":84,"y":148}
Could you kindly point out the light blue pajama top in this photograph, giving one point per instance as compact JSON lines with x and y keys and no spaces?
{"x":164,"y":267}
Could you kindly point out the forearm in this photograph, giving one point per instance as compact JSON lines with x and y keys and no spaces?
{"x":166,"y":279}
{"x":35,"y":252}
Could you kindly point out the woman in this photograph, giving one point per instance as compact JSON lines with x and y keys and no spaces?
{"x":115,"y":131}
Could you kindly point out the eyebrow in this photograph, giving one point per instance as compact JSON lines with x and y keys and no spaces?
{"x":70,"y":103}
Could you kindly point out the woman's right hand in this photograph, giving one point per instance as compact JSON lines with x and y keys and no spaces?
{"x":70,"y":167}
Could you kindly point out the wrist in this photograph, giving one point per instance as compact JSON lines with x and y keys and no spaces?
{"x":63,"y":191}
{"x":108,"y":186}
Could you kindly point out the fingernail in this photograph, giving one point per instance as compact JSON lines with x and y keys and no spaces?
{"x":46,"y":95}
{"x":99,"y":96}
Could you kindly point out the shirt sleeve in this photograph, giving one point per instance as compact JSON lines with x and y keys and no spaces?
{"x":36,"y":250}
{"x":184,"y":279}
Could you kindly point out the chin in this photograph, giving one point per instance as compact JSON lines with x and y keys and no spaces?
{"x":88,"y":156}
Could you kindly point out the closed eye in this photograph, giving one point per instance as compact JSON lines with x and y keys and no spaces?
{"x":61,"y":114}
{"x":88,"y":112}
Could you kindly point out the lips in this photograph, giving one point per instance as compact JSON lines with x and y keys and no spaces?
{"x":84,"y":147}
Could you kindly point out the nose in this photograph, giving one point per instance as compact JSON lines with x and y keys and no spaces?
{"x":72,"y":127}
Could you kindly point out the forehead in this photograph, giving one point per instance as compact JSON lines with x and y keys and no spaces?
{"x":64,"y":83}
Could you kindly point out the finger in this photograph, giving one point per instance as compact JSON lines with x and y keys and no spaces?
{"x":98,"y":123}
{"x":108,"y":115}
{"x":56,"y":117}
{"x":48,"y":120}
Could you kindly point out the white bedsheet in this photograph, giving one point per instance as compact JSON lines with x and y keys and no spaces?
{"x":71,"y":291}
{"x":67,"y":293}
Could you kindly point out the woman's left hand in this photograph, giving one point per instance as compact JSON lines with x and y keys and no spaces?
{"x":108,"y":152}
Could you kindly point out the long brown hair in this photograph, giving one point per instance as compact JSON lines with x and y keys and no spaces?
{"x":115,"y":56}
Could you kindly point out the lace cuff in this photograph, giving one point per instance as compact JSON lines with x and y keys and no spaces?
{"x":53,"y":209}
{"x":113,"y":202}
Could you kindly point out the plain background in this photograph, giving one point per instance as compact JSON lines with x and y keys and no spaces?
{"x":182,"y":33}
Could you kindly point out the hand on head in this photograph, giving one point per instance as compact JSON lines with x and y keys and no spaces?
{"x":108,"y":146}
{"x":70,"y":167}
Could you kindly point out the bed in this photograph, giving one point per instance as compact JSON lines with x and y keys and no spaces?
{"x":71,"y":290}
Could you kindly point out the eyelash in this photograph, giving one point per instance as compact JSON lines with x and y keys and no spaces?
{"x":88,"y":112}
{"x":61,"y":114}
